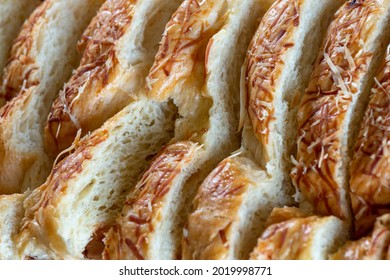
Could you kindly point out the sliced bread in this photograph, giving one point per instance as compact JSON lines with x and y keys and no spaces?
{"x":332,"y":107}
{"x":42,"y":59}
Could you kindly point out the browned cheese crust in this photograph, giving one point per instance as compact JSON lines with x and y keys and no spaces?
{"x":370,"y":168}
{"x":272,"y":40}
{"x":374,"y":247}
{"x":21,"y":72}
{"x":324,"y":106}
{"x":287,"y":240}
{"x":217,"y":202}
{"x":40,"y":220}
{"x":21,"y":80}
{"x":279,"y":215}
{"x":129,"y":238}
{"x":183,"y":50}
{"x":79,"y":105}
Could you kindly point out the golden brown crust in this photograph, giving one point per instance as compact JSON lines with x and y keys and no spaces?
{"x":288,"y":240}
{"x":183,"y":50}
{"x":265,"y":63}
{"x":374,"y":247}
{"x":40,"y":220}
{"x":76,"y":108}
{"x":21,"y":72}
{"x":279,"y":215}
{"x":370,"y":167}
{"x":129,"y":238}
{"x":219,"y":198}
{"x":21,"y":80}
{"x":324,"y":106}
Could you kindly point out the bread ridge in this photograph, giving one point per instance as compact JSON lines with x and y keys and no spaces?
{"x":332,"y":105}
{"x":370,"y":169}
{"x":374,"y":246}
{"x":301,"y":238}
{"x":201,"y":103}
{"x":119,"y":48}
{"x":13,"y":15}
{"x":236,"y":199}
{"x":32,"y":78}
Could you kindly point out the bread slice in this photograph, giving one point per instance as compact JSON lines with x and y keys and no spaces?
{"x":229,"y":207}
{"x":376,"y":246}
{"x":331,"y":110}
{"x":197,"y":67}
{"x":370,"y":167}
{"x":302,"y":238}
{"x":13,"y":13}
{"x":233,"y":203}
{"x":69,"y":214}
{"x":11,"y":214}
{"x":42,"y":59}
{"x":119,"y":48}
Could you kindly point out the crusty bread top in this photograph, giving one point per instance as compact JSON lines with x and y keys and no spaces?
{"x":293,"y":237}
{"x":182,"y":52}
{"x":180,"y":71}
{"x":373,"y":247}
{"x":216,"y":204}
{"x":98,"y":67}
{"x":129,"y":238}
{"x":265,"y":63}
{"x":370,"y":167}
{"x":286,"y":240}
{"x":13,"y":13}
{"x":326,"y":106}
{"x":279,"y":215}
{"x":21,"y":72}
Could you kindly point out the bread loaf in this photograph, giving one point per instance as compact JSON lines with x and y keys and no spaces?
{"x":233,"y":203}
{"x":370,"y":167}
{"x":197,"y":67}
{"x":13,"y":13}
{"x":119,"y":48}
{"x":333,"y":104}
{"x":300,"y":238}
{"x":42,"y":59}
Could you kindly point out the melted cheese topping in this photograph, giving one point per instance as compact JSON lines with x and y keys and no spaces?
{"x":98,"y":66}
{"x":323,"y":110}
{"x":373,"y":247}
{"x":265,"y":63}
{"x":288,"y":240}
{"x":130,"y":236}
{"x":370,"y":168}
{"x":217,"y":202}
